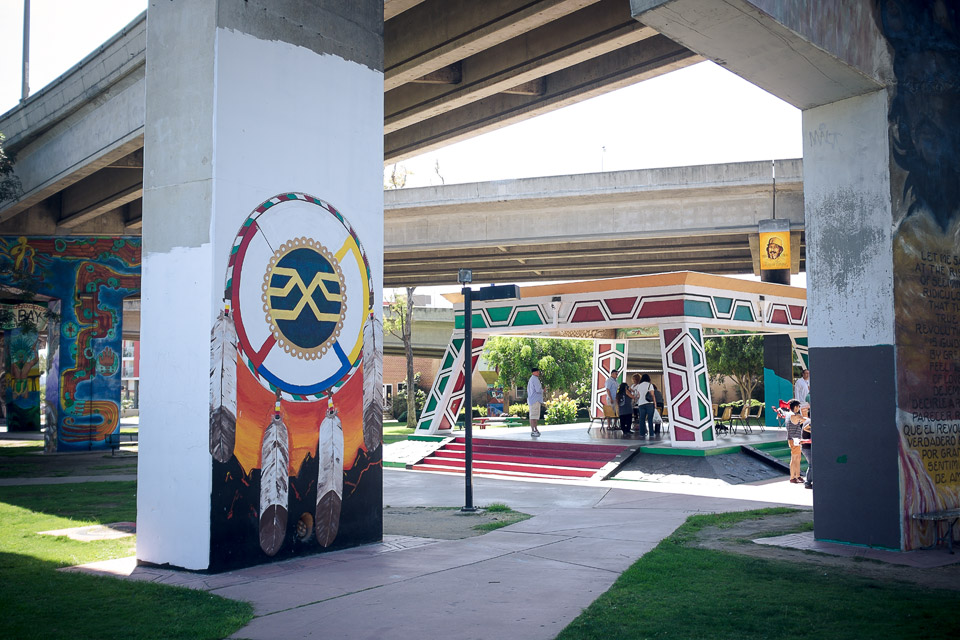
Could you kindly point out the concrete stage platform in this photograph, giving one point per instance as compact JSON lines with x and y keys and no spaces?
{"x":578,"y":433}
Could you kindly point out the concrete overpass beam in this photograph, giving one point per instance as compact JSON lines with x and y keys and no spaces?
{"x":782,"y":47}
{"x":628,"y":65}
{"x":104,"y":191}
{"x":593,"y":31}
{"x":460,"y":29}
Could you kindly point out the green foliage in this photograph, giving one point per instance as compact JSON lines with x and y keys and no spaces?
{"x":480,"y":411}
{"x":10,"y":187}
{"x":563,"y":364}
{"x":400,"y":400}
{"x":497,"y":507}
{"x":52,"y":604}
{"x":739,"y":357}
{"x":520,"y":410}
{"x":562,"y":410}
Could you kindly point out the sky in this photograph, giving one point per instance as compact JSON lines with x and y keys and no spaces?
{"x":702,"y":114}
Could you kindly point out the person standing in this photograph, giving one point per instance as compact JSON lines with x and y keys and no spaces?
{"x":645,"y":407}
{"x":534,"y":400}
{"x":795,"y":425}
{"x":801,"y":389}
{"x":806,"y":447}
{"x":625,"y":406}
{"x":611,"y":387}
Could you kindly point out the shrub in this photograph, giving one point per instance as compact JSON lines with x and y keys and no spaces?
{"x":562,"y":410}
{"x":519,"y":410}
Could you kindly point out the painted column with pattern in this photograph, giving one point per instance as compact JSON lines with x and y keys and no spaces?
{"x":687,"y":385}
{"x":446,"y":394}
{"x":608,"y":356}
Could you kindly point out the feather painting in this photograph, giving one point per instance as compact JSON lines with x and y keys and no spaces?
{"x":372,"y":383}
{"x":330,"y":480}
{"x":274,"y":488}
{"x":223,"y":388}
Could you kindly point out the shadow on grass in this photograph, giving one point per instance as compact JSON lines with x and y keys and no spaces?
{"x":42,"y":602}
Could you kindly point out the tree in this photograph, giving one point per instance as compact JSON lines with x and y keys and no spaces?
{"x":564,"y":364}
{"x":739,"y":357}
{"x":9,"y":184}
{"x":399,"y":323}
{"x":397,"y":178}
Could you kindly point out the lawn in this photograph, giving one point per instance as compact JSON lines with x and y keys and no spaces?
{"x":41,"y":602}
{"x":677,"y":591}
{"x":395,"y":432}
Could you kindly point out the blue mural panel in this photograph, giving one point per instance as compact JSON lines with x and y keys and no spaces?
{"x":90,"y":277}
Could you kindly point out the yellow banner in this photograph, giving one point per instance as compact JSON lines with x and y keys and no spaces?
{"x":775,"y":250}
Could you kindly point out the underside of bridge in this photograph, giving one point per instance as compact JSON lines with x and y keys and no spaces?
{"x":453,"y":69}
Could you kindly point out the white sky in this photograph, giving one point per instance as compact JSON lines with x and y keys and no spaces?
{"x":698,"y":115}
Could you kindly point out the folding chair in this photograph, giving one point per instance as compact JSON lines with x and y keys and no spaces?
{"x":756,"y":413}
{"x":722,"y":424}
{"x":742,"y":419}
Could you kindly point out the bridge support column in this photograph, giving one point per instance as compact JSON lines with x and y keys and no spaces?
{"x":687,"y":385}
{"x":777,"y":373}
{"x":263,"y":166}
{"x":608,"y":356}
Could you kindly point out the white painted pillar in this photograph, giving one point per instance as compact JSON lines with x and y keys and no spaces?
{"x":251,"y":116}
{"x":608,"y":356}
{"x":687,"y":385}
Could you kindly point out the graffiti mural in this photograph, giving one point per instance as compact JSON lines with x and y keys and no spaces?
{"x":90,"y":277}
{"x":22,"y":380}
{"x":924,"y":124}
{"x":296,"y":401}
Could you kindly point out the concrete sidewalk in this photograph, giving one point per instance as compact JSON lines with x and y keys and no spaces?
{"x":528,"y":580}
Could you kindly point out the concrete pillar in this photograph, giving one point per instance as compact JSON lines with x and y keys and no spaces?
{"x":608,"y":356}
{"x":262,"y":189}
{"x":777,"y":373}
{"x":687,"y":385}
{"x":878,"y":82}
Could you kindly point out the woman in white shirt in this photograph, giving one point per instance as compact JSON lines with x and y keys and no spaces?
{"x":645,"y":408}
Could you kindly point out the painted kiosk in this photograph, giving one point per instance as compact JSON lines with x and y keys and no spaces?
{"x":680,"y":305}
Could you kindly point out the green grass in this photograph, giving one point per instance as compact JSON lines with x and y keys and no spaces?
{"x":677,"y":591}
{"x":505,"y":517}
{"x":20,"y":449}
{"x":395,"y":433}
{"x":41,"y":602}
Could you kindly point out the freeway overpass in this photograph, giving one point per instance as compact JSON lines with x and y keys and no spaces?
{"x":452,"y":70}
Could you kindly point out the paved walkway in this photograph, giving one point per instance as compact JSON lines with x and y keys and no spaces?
{"x":528,"y":580}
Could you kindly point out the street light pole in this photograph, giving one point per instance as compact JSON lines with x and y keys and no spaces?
{"x":468,"y":397}
{"x":502,"y":292}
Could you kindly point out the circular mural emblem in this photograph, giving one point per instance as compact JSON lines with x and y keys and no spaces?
{"x":304,"y":298}
{"x":299,"y":285}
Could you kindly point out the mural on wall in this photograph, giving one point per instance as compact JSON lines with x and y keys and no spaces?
{"x":90,"y":277}
{"x":296,"y":390}
{"x":924,"y":119}
{"x":22,"y":386}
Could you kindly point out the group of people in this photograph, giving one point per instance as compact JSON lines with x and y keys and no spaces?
{"x":638,"y":400}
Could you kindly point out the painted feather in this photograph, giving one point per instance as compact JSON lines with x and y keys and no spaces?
{"x":372,"y":384}
{"x":223,"y":388}
{"x":274,"y":479}
{"x":330,"y":480}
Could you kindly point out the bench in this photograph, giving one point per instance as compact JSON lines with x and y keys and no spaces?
{"x":950,"y":516}
{"x":115,"y":440}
